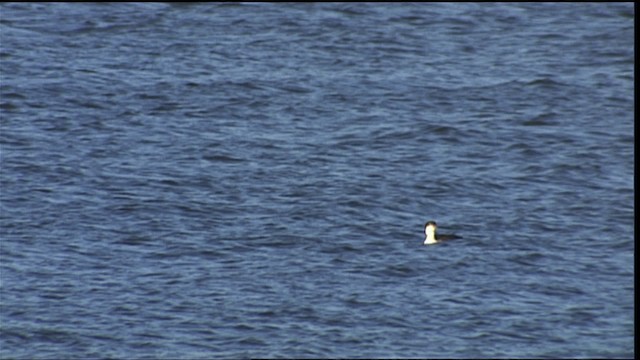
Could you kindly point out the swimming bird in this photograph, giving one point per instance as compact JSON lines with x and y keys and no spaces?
{"x":431,"y":237}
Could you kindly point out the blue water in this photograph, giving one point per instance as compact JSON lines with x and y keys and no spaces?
{"x":251,"y":180}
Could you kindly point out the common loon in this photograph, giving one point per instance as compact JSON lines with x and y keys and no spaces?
{"x":431,"y":237}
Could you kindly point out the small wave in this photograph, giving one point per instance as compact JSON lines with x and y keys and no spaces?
{"x":545,"y":119}
{"x":222,"y":158}
{"x":544,"y":82}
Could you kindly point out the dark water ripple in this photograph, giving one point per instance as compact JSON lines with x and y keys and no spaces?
{"x":233,"y":180}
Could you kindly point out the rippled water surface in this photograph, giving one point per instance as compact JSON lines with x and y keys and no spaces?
{"x":251,"y":180}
